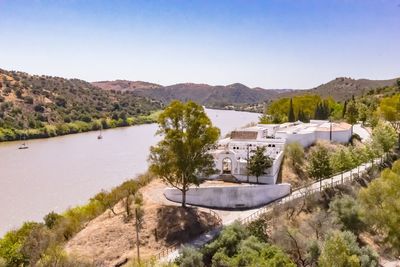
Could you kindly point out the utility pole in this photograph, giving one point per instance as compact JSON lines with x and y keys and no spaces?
{"x":330,"y":129}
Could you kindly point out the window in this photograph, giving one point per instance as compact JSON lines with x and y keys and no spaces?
{"x":226,"y":166}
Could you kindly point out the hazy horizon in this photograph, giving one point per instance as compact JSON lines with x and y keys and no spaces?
{"x":268,"y":44}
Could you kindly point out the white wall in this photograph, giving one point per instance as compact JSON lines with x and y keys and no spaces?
{"x":230,"y":197}
{"x":337,"y":136}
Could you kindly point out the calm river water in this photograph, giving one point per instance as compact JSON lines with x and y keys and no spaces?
{"x":57,"y":173}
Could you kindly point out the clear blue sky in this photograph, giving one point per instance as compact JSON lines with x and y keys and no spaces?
{"x":272,"y":44}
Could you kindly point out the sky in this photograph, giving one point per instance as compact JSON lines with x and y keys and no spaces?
{"x":270,"y":44}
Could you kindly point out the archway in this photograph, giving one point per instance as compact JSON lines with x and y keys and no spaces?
{"x":227,"y":166}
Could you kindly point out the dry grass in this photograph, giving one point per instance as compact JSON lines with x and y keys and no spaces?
{"x":108,"y":240}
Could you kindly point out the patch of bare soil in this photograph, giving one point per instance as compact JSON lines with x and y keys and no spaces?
{"x":109,"y":240}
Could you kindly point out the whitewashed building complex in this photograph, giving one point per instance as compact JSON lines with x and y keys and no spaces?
{"x":232,"y":153}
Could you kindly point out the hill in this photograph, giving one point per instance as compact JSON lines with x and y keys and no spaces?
{"x":208,"y":95}
{"x":238,"y":94}
{"x":343,"y":88}
{"x":42,"y":106}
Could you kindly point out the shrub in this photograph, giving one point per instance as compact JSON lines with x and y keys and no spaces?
{"x":347,"y":212}
{"x":190,"y":257}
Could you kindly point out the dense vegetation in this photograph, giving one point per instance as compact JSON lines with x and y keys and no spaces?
{"x":41,"y":244}
{"x":34,"y":106}
{"x":336,"y":227}
{"x":367,"y":108}
{"x":235,"y":246}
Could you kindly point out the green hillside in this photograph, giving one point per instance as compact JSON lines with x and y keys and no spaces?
{"x":33,"y":106}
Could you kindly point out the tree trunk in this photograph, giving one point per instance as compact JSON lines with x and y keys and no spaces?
{"x":137,"y":236}
{"x":257,"y":179}
{"x":184,"y":198}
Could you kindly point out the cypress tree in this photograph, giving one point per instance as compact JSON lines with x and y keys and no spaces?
{"x":344,"y":108}
{"x":319,"y":112}
{"x":291,"y":116}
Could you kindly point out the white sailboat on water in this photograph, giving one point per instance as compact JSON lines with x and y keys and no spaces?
{"x":24,"y":144}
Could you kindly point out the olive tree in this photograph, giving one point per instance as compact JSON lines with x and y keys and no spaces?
{"x":182,"y":155}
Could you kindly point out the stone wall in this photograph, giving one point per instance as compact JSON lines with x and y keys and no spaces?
{"x":230,"y":197}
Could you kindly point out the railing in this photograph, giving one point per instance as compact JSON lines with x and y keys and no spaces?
{"x":165,"y":252}
{"x":301,"y":192}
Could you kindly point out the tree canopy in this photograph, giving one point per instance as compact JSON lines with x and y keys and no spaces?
{"x":183,"y":155}
{"x":259,"y":162}
{"x":380,"y":204}
{"x":319,"y":163}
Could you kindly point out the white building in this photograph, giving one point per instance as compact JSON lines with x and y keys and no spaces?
{"x":231,"y":154}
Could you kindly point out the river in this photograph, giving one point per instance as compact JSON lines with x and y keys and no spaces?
{"x":61,"y":172}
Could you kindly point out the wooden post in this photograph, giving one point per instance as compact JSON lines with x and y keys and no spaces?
{"x":137,"y":235}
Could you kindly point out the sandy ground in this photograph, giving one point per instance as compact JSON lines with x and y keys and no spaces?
{"x":109,"y":239}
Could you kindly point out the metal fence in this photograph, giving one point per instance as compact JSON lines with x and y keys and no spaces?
{"x":300,"y":192}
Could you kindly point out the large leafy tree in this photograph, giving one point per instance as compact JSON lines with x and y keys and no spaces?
{"x":390,"y":109}
{"x":182,"y":155}
{"x":380,"y":204}
{"x":384,"y":136}
{"x":319,"y":163}
{"x":259,"y":162}
{"x":342,"y":160}
{"x":351,"y":113}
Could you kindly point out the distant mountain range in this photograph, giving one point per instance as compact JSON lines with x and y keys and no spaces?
{"x":234,"y":94}
{"x":201,"y":93}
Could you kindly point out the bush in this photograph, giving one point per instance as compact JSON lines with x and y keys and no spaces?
{"x":347,"y":212}
{"x":190,"y":257}
{"x":294,"y":152}
{"x":341,"y":249}
{"x":39,"y":108}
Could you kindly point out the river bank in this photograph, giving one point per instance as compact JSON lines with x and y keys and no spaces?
{"x":53,"y":130}
{"x":65,"y":171}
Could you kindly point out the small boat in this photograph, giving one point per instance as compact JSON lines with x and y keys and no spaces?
{"x":100,"y":136}
{"x":23,"y":146}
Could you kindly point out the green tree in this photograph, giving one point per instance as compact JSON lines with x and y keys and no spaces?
{"x":341,"y":160}
{"x":363,"y":112}
{"x":352,"y":113}
{"x":259,"y":162}
{"x":291,"y":116}
{"x":344,"y":109}
{"x":390,"y":109}
{"x":190,"y":257}
{"x":380,"y":203}
{"x":341,"y":249}
{"x":252,"y":252}
{"x":183,"y":155}
{"x":319,"y":163}
{"x":347,"y":212}
{"x":384,"y":135}
{"x":12,"y":243}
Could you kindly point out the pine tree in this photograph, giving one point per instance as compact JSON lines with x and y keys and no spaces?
{"x":291,"y":116}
